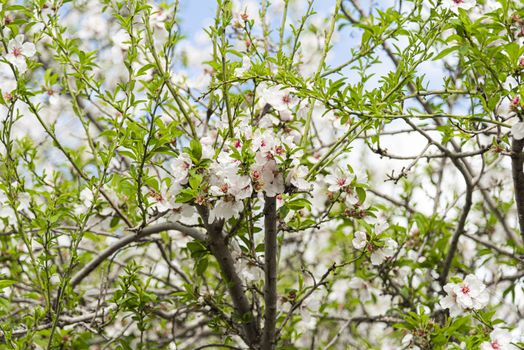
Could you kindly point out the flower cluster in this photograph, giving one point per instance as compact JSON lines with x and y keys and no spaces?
{"x":470,"y":294}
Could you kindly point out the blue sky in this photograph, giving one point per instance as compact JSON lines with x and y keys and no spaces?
{"x":197,"y":14}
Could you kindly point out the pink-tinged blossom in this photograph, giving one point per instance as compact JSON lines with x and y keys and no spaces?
{"x":470,"y":294}
{"x":18,"y":51}
{"x":360,"y":240}
{"x":338,"y":180}
{"x":166,"y":199}
{"x":236,"y":186}
{"x":455,"y":5}
{"x":499,"y":339}
{"x":268,"y":179}
{"x":225,"y":208}
{"x":265,"y":143}
{"x":240,"y":186}
{"x":297,"y":177}
{"x":379,"y":255}
{"x":228,"y":187}
{"x":281,"y":99}
{"x":180,"y":167}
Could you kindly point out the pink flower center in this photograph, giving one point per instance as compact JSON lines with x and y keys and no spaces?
{"x":224,"y":188}
{"x":238,"y":144}
{"x":341,"y":182}
{"x":465,"y":290}
{"x":286,"y":99}
{"x":495,"y":345}
{"x":279,"y":150}
{"x":256,"y":174}
{"x":156,"y":196}
{"x":17,"y":51}
{"x":458,"y":2}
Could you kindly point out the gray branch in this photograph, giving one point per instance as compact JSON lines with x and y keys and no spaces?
{"x":219,"y":249}
{"x":115,"y":247}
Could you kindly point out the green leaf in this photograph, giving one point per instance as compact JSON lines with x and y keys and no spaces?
{"x":6,"y":283}
{"x":445,"y":52}
{"x":195,"y":181}
{"x":361,"y":194}
{"x":298,"y":203}
{"x":196,"y":149}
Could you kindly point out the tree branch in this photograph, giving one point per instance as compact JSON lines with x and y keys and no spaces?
{"x":270,"y":273}
{"x":517,"y":161}
{"x":219,"y":249}
{"x":63,"y":321}
{"x":147,"y":231}
{"x":458,"y":232}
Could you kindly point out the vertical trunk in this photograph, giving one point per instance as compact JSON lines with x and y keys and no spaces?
{"x":517,"y":161}
{"x":270,"y":273}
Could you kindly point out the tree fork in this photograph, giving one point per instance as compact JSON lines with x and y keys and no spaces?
{"x":219,"y":249}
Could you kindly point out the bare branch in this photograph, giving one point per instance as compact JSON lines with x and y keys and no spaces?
{"x":115,"y":247}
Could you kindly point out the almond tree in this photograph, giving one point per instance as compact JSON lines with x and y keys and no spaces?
{"x":311,"y":175}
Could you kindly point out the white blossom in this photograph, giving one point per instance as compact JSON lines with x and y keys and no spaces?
{"x":86,"y":200}
{"x":470,"y":294}
{"x":499,"y":339}
{"x":180,"y":167}
{"x":18,"y":51}
{"x":246,"y":66}
{"x":360,"y":240}
{"x":388,"y":250}
{"x":454,"y":5}
{"x":225,"y":209}
{"x":297,"y":177}
{"x":338,"y":180}
{"x":281,"y":99}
